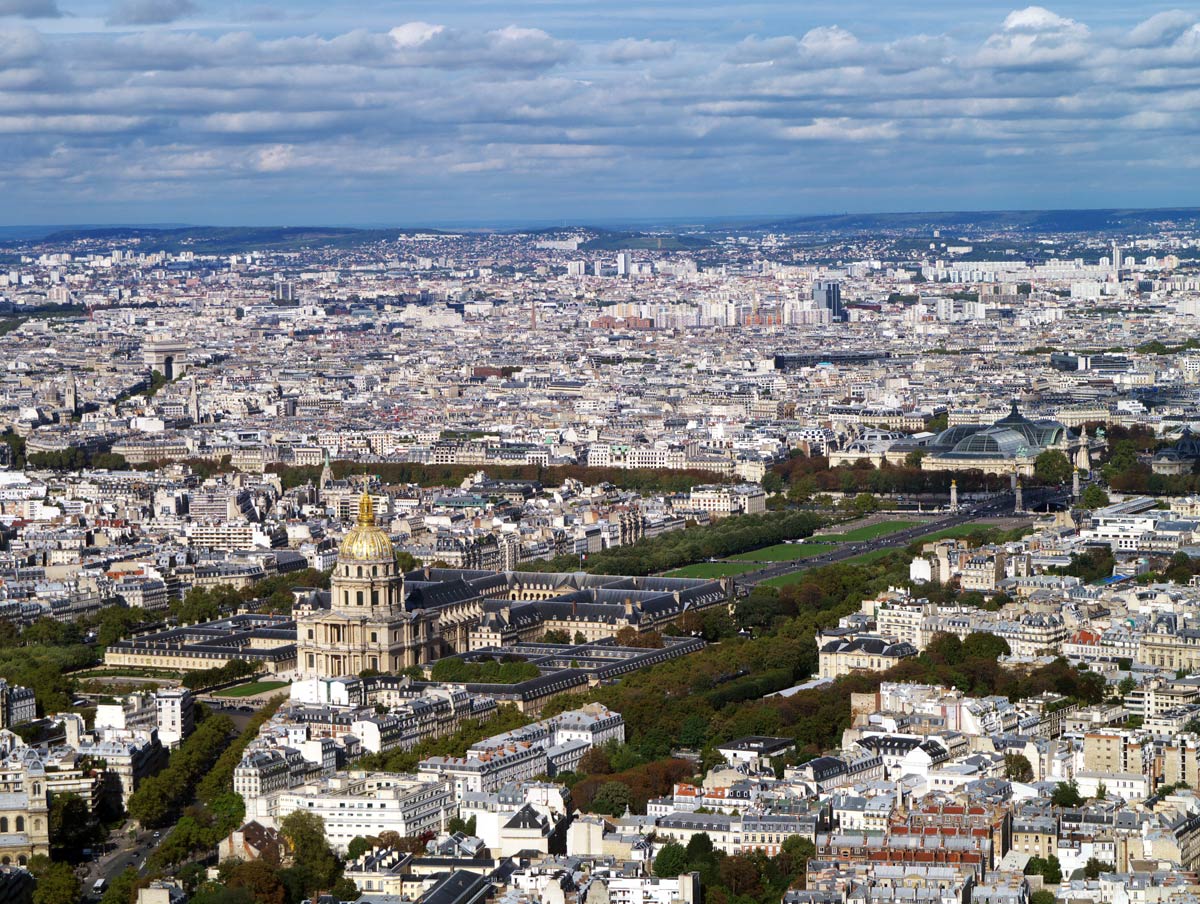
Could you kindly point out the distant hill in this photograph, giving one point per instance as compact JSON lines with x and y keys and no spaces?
{"x":641,"y":241}
{"x":232,"y":239}
{"x":1113,"y":220}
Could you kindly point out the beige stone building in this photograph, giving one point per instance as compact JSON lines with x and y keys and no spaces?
{"x":367,"y":625}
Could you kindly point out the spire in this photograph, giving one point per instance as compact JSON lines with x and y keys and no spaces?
{"x":366,"y":510}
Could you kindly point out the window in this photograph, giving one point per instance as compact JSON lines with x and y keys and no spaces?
{"x":374,"y":637}
{"x":359,"y":595}
{"x":20,"y":823}
{"x":4,"y":824}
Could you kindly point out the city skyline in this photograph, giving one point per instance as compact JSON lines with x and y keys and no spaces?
{"x":201,"y":112}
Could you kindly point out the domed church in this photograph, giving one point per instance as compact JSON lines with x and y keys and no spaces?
{"x":367,"y":625}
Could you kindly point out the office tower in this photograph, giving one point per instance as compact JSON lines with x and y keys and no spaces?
{"x":1116,"y":256}
{"x":576,"y":268}
{"x":827,"y":294}
{"x":624,"y":263}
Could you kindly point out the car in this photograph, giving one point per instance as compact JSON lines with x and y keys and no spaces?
{"x":158,"y":834}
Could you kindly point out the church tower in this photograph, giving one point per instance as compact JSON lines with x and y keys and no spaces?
{"x":71,"y":395}
{"x":194,"y":402}
{"x":367,"y":625}
{"x":366,"y":574}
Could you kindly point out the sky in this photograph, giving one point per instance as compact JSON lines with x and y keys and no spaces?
{"x":413,"y":112}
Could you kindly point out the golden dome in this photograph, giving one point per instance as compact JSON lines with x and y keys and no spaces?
{"x":366,"y":542}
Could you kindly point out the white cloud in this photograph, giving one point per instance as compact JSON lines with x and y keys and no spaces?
{"x":1036,"y":19}
{"x":1162,"y":28}
{"x":414,"y":34}
{"x":635,"y":50}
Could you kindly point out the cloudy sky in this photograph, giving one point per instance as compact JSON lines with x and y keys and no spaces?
{"x":416,"y":112}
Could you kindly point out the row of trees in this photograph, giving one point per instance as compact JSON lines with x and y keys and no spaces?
{"x":160,"y":797}
{"x":675,"y":549}
{"x":217,"y":810}
{"x":74,"y":458}
{"x":644,"y":479}
{"x":230,"y":671}
{"x":804,"y":478}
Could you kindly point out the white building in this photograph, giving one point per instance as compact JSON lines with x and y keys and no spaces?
{"x":365,"y":804}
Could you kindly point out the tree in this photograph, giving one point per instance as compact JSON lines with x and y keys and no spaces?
{"x":983,"y":645}
{"x":556,"y":636}
{"x":315,"y":862}
{"x":1052,"y":871}
{"x":56,"y":882}
{"x":344,"y":890}
{"x":1042,"y":896}
{"x":1093,"y":497}
{"x":595,"y":762}
{"x":741,"y":875}
{"x":1094,"y":867}
{"x":670,"y":861}
{"x":797,"y":850}
{"x":261,"y":879}
{"x":358,"y":846}
{"x":1102,"y":791}
{"x":71,"y":825}
{"x":123,"y":887}
{"x":700,"y":848}
{"x":611,"y":798}
{"x":1017,"y":767}
{"x":1066,"y":794}
{"x":1052,"y":466}
{"x":406,"y":562}
{"x":212,"y":893}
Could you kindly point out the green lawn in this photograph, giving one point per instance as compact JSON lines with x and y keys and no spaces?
{"x":711,"y":570}
{"x":785,"y":580}
{"x":249,"y":690}
{"x":785,"y":552}
{"x":869,"y":532}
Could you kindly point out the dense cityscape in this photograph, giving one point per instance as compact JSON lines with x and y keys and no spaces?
{"x":797,"y":562}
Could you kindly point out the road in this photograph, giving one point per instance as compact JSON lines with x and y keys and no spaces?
{"x":998,"y":505}
{"x":126,"y":852}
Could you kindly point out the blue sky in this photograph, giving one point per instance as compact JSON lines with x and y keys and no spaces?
{"x":415,"y":112}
